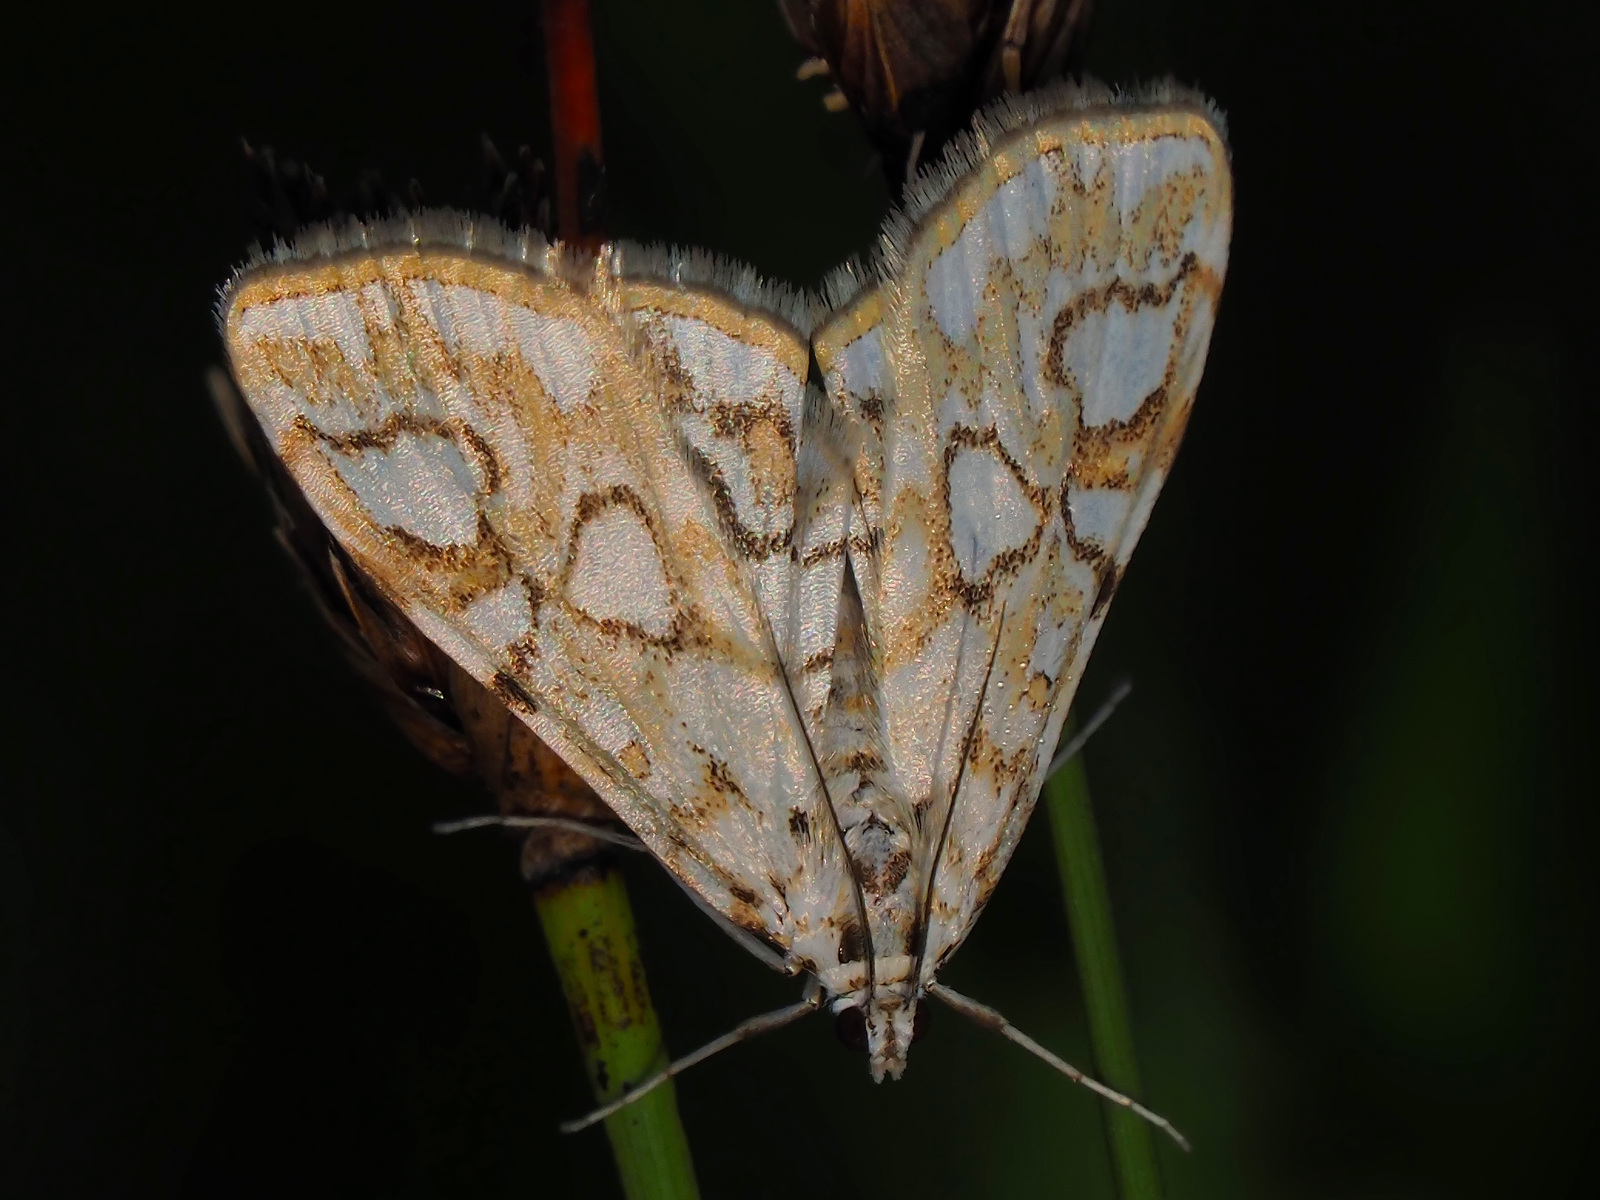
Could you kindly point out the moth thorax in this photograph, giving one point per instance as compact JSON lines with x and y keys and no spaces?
{"x":879,"y":847}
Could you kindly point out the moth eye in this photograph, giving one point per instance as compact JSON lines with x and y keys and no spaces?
{"x":921,"y":1023}
{"x":850,"y":1027}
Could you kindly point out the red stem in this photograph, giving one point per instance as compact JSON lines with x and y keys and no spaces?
{"x":575,"y":122}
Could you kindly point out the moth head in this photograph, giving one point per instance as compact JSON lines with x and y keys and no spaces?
{"x":884,"y":1028}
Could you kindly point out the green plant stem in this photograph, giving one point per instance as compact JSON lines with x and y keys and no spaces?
{"x":588,"y":924}
{"x":1094,"y":939}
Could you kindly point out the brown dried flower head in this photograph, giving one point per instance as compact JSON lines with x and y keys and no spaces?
{"x":916,"y":69}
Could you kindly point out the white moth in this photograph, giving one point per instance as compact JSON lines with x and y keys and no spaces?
{"x":813,"y":644}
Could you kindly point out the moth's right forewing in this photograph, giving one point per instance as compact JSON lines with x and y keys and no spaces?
{"x":1051,"y":321}
{"x":1026,"y":365}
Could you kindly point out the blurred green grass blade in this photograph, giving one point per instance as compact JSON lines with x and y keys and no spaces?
{"x":1094,"y":941}
{"x":588,"y":924}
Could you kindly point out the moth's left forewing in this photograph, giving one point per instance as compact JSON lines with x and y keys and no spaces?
{"x":484,"y":437}
{"x":1045,"y":330}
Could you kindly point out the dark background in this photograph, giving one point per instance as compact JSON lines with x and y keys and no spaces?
{"x":1344,"y":817}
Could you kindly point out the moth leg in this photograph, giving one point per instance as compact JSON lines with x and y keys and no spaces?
{"x":598,"y":832}
{"x":982,"y":1014}
{"x":1081,"y":738}
{"x":745,"y":1030}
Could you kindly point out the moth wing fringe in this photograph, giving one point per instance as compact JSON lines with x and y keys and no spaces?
{"x":688,"y":265}
{"x":448,"y":228}
{"x":802,"y":310}
{"x":857,"y":274}
{"x":990,"y":127}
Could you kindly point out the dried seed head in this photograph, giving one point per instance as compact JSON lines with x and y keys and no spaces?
{"x":915,"y":70}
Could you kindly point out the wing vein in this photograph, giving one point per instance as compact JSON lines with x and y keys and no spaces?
{"x":955,"y":792}
{"x":822,"y":782}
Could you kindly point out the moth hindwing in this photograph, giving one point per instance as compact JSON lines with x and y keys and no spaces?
{"x":814,"y":648}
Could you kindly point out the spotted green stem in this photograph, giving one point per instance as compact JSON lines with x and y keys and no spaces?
{"x":588,"y":924}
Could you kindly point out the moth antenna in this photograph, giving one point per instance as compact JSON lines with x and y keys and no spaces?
{"x":982,"y":1014}
{"x":1101,"y":715}
{"x":742,"y":1032}
{"x":598,"y":832}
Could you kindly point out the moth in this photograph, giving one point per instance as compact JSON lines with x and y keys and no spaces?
{"x":802,"y":586}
